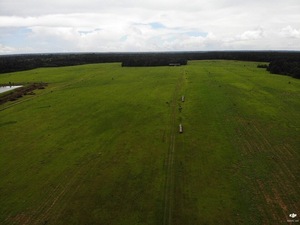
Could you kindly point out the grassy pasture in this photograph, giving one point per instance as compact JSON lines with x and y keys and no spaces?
{"x":100,"y":145}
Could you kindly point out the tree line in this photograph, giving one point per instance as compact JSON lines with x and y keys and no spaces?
{"x":11,"y":63}
{"x":154,"y":60}
{"x":285,"y":67}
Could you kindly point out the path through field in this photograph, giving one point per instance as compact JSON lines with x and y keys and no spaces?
{"x":169,"y":183}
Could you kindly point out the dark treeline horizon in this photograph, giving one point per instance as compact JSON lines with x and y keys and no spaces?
{"x":19,"y":62}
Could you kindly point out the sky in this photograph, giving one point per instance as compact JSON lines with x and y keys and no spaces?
{"x":31,"y":26}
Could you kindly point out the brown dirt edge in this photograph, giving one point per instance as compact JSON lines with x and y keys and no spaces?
{"x":15,"y":94}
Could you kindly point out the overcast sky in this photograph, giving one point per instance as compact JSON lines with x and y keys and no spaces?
{"x":40,"y":26}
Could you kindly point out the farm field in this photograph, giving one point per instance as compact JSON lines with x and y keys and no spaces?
{"x":100,"y":145}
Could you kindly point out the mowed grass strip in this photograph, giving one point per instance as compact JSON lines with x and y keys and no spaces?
{"x":92,"y":148}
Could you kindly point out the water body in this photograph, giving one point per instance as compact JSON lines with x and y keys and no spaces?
{"x":8,"y":88}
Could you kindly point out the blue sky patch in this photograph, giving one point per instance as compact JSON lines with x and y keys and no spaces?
{"x":15,"y":37}
{"x":124,"y":38}
{"x":83,"y":32}
{"x":156,"y":25}
{"x":196,"y":34}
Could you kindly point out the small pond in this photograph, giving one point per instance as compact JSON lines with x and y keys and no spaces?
{"x":8,"y":88}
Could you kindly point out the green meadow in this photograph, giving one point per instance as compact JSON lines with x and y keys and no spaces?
{"x":101,"y":145}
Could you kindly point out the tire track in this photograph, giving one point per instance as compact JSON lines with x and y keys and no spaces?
{"x":169,"y":180}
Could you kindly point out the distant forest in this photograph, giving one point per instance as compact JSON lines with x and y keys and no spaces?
{"x":280,"y":62}
{"x":285,"y":67}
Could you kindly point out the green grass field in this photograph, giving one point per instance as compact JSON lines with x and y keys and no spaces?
{"x":100,"y":145}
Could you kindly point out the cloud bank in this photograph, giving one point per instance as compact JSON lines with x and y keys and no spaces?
{"x":177,"y":25}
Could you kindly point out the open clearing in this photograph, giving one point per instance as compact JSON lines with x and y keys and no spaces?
{"x":100,"y":145}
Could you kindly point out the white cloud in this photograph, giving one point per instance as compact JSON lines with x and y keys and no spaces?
{"x":130,"y":25}
{"x":6,"y":49}
{"x":251,"y":35}
{"x":290,"y":32}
